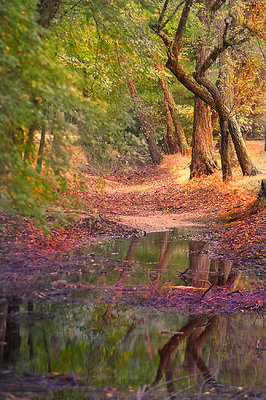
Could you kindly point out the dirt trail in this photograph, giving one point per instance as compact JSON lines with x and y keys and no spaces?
{"x":158,"y":221}
{"x":159,"y":198}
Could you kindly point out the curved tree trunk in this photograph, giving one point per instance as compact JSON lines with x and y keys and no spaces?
{"x":199,"y":88}
{"x":146,"y":123}
{"x":202,"y":162}
{"x":179,"y":137}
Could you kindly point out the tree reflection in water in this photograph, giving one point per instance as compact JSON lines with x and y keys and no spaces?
{"x":12,"y":331}
{"x":207,"y":352}
{"x":202,"y":272}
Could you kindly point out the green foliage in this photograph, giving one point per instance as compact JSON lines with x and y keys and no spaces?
{"x":70,"y":82}
{"x":39,"y":92}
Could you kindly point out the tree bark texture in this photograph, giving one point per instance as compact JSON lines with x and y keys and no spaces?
{"x":146,"y":123}
{"x":178,"y":142}
{"x":247,"y":166}
{"x":47,"y":10}
{"x":225,"y":149}
{"x":202,"y":162}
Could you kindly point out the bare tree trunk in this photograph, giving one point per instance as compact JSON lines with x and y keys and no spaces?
{"x":203,"y":162}
{"x":179,"y":137}
{"x":202,"y":77}
{"x":146,"y":123}
{"x":47,"y":10}
{"x":170,"y":141}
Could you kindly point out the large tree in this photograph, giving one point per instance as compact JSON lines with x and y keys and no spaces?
{"x":200,"y":84}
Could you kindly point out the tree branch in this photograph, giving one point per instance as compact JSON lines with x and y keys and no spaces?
{"x":181,"y":27}
{"x":219,"y":49}
{"x":172,"y":15}
{"x":189,"y":83}
{"x":217,"y":5}
{"x":163,"y":11}
{"x":166,"y":39}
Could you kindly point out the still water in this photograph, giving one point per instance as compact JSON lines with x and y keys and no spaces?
{"x":91,"y":348}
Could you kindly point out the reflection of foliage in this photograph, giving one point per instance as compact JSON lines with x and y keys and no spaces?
{"x":79,"y":342}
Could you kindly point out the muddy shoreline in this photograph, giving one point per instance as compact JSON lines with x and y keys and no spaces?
{"x":27,"y":264}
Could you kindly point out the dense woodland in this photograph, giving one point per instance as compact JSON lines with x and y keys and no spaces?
{"x":124,"y":79}
{"x":132,"y":199}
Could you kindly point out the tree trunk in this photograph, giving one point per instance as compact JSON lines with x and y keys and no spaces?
{"x":146,"y":123}
{"x":166,"y":250}
{"x":47,"y":10}
{"x":201,"y":89}
{"x":30,"y":143}
{"x":40,"y":152}
{"x":225,"y":149}
{"x":180,"y":137}
{"x":248,"y":168}
{"x":170,"y":141}
{"x":203,"y":162}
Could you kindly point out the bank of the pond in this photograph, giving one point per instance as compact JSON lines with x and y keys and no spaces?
{"x":103,"y":318}
{"x":52,"y":272}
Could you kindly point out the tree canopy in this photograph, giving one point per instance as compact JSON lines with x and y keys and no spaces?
{"x":65,"y":68}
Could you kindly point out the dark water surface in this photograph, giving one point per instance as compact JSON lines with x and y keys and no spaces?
{"x":92,"y":348}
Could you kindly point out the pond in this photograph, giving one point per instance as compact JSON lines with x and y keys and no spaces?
{"x":99,"y":345}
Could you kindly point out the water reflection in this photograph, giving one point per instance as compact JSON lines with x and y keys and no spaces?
{"x":118,"y":346}
{"x":195,"y":332}
{"x":168,"y":257}
{"x":130,"y":353}
{"x":12,"y":337}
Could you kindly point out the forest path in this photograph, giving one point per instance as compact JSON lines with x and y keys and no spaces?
{"x":156,"y":198}
{"x":162,"y":197}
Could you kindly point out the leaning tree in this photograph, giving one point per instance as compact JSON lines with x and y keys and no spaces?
{"x":199,"y":82}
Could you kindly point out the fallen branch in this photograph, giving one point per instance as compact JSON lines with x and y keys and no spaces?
{"x":182,"y":287}
{"x":206,"y":291}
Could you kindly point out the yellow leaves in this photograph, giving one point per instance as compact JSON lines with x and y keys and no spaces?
{"x":7,"y":48}
{"x":254,"y":17}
